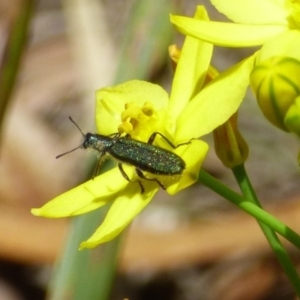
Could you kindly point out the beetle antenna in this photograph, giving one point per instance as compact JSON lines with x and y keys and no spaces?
{"x":76,"y":126}
{"x":60,"y":155}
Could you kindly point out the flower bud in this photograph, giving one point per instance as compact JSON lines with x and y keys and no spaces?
{"x":292,"y":117}
{"x":230,"y":146}
{"x":174,"y":53}
{"x":276,"y":84}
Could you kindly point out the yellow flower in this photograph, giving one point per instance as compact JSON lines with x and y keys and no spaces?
{"x":140,"y":108}
{"x":273,"y":23}
{"x":256,"y":22}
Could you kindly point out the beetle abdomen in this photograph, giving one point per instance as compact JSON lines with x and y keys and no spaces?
{"x":147,"y":157}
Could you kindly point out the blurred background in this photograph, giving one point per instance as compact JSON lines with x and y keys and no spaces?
{"x":192,"y":246}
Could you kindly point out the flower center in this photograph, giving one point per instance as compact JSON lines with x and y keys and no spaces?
{"x":139,"y":122}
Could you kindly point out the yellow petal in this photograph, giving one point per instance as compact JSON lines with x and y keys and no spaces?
{"x":286,"y":44}
{"x":193,"y":155}
{"x":215,"y":103}
{"x":227,"y":34}
{"x":85,"y":197}
{"x":253,"y":11}
{"x":111,"y":102}
{"x":124,"y":209}
{"x":191,"y":69}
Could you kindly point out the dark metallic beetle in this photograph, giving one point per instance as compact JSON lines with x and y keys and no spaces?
{"x":143,"y":156}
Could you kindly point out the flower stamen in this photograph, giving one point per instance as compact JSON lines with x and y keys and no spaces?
{"x":138,"y":122}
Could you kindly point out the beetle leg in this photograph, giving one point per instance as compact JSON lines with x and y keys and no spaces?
{"x":96,"y":171}
{"x":128,"y":179}
{"x":154,"y":134}
{"x":115,"y":135}
{"x":141,"y":175}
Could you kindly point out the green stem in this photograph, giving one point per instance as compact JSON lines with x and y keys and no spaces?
{"x":280,"y":252}
{"x":87,"y":274}
{"x":249,"y":207}
{"x":16,"y":43}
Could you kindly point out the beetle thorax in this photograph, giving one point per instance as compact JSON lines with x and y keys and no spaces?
{"x":97,"y":142}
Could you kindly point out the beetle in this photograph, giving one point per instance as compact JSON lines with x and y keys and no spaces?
{"x":144,"y":156}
